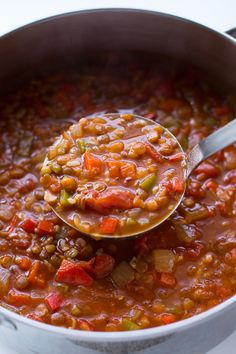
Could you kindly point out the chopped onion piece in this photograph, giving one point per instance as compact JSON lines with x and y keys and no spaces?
{"x":122,"y":274}
{"x":164,"y":260}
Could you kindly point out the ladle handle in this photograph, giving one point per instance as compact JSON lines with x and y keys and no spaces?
{"x":213,"y":143}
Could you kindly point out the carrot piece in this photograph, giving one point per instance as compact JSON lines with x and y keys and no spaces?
{"x":18,"y":299}
{"x":167,"y":318}
{"x":54,"y":301}
{"x":177,"y":185}
{"x":45,"y":228}
{"x":128,"y":169}
{"x":167,"y":280}
{"x":28,"y":225}
{"x":155,"y":155}
{"x":114,"y":168}
{"x":73,"y":273}
{"x":108,"y":225}
{"x":102,"y":265}
{"x":35,"y":276}
{"x":122,"y":169}
{"x":93,"y":164}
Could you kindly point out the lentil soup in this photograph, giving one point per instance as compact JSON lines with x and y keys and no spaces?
{"x":114,"y":175}
{"x":50,"y":273}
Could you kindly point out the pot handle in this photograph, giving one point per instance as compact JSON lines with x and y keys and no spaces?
{"x":6,"y":322}
{"x":232,"y":32}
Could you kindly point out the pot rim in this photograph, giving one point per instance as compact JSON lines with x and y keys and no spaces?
{"x":123,"y":336}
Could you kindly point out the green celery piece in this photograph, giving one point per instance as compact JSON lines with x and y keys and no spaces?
{"x":148,"y":182}
{"x":64,"y":198}
{"x":81,"y":145}
{"x":129,"y":325}
{"x":131,"y":222}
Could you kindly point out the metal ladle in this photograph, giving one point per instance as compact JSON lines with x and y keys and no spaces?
{"x":216,"y":141}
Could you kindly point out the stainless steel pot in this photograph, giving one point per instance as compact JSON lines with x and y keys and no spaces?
{"x":50,"y":42}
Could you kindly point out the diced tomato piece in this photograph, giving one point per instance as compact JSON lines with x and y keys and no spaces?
{"x":45,"y":228}
{"x":28,"y":225}
{"x":208,"y":169}
{"x":36,"y":275}
{"x":195,"y":250}
{"x":18,"y":299}
{"x":102,"y":265}
{"x":34,"y":317}
{"x":177,"y":185}
{"x":108,"y":225}
{"x":168,"y":318}
{"x":177,"y":157}
{"x":92,"y":163}
{"x":25,"y":263}
{"x":54,"y":301}
{"x":153,"y":153}
{"x":73,"y":273}
{"x":85,"y":325}
{"x":167,"y":280}
{"x":119,"y":198}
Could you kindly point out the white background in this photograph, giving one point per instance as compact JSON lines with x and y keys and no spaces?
{"x":218,"y":14}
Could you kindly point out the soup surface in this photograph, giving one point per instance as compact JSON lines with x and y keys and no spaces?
{"x":114,"y":175}
{"x":51,"y":273}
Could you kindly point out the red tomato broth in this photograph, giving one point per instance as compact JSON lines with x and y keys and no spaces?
{"x":134,"y":284}
{"x":117,"y":175}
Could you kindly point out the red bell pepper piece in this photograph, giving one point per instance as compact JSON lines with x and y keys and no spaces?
{"x":73,"y":273}
{"x":54,"y":301}
{"x":28,"y":225}
{"x":45,"y":228}
{"x":108,"y":225}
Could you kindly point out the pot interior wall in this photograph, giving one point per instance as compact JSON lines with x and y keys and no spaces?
{"x":69,"y":40}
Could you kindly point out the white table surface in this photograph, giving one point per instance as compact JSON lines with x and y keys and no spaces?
{"x":218,"y":14}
